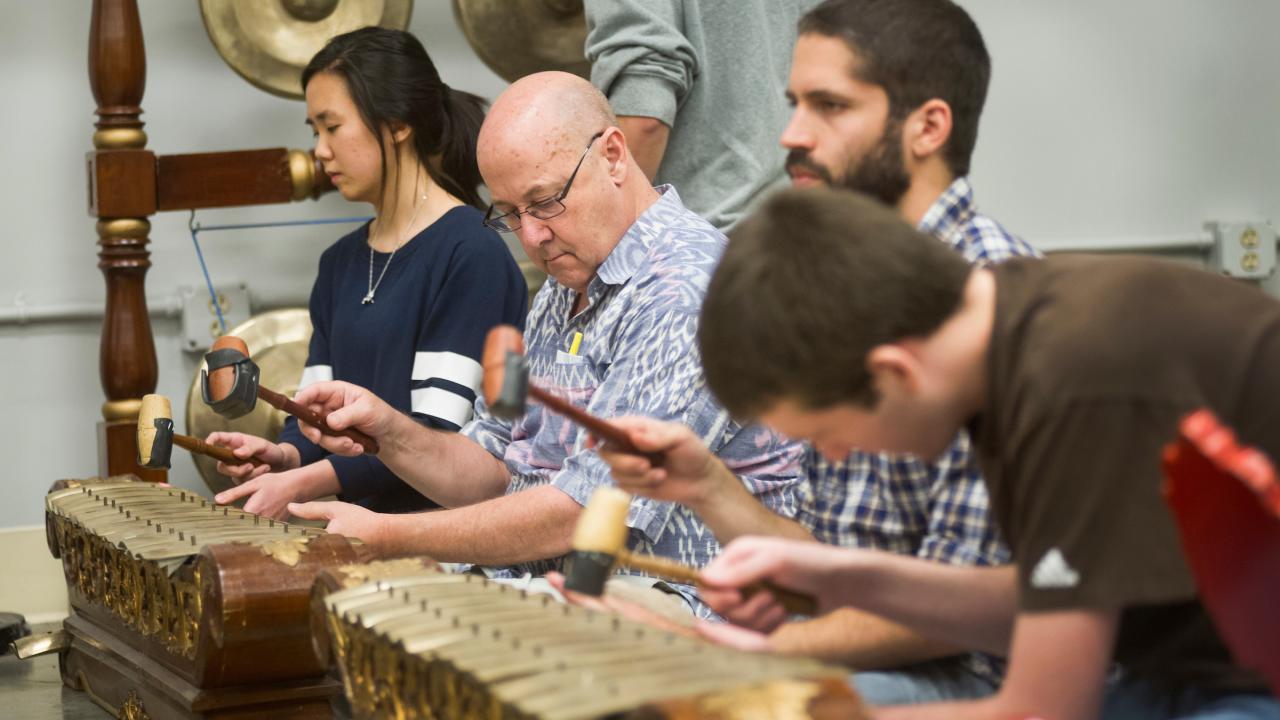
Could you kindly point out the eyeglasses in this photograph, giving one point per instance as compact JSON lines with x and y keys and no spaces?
{"x":543,"y":209}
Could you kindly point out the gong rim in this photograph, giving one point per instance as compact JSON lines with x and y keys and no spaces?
{"x":270,"y":42}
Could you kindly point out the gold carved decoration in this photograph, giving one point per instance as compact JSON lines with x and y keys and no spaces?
{"x":359,"y":574}
{"x":776,"y":700}
{"x":288,"y":551}
{"x":132,"y":548}
{"x":140,"y":593}
{"x":132,"y":708}
{"x":427,"y":645}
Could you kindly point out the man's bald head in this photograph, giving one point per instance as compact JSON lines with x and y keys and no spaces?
{"x":542,"y":115}
{"x":558,"y":167}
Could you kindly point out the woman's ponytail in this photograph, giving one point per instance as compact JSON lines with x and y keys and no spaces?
{"x":457,"y":172}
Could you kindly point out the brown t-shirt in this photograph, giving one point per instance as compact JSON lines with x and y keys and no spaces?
{"x":1093,"y":361}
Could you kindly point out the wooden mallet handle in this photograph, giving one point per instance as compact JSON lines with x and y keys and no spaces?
{"x":310,"y":417}
{"x":217,"y":452}
{"x":155,"y":415}
{"x":603,"y":429}
{"x":601,"y":534}
{"x":661,"y":567}
{"x":796,"y":603}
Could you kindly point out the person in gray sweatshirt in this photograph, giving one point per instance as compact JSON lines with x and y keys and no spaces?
{"x":699,"y":89}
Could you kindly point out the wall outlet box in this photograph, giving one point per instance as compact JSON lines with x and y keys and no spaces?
{"x":1243,"y":249}
{"x":200,"y":325}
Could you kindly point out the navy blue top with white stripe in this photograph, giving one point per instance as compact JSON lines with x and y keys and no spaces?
{"x":418,"y":344}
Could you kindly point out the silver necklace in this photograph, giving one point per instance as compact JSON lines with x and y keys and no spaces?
{"x":373,"y":286}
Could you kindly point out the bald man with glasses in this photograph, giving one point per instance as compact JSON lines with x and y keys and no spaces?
{"x":613,"y":330}
{"x":509,"y":221}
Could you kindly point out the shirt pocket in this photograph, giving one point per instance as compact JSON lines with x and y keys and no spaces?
{"x":574,"y":378}
{"x":564,"y":358}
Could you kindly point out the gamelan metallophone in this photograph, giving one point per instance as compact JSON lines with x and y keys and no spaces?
{"x":425,"y":644}
{"x":181,"y":608}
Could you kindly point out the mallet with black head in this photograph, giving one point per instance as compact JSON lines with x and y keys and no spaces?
{"x":230,"y":386}
{"x":156,"y":437}
{"x":507,"y":390}
{"x":600,"y":543}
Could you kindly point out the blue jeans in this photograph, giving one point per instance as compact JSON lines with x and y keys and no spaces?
{"x":1136,"y":701}
{"x":934,"y":681}
{"x":943,"y":681}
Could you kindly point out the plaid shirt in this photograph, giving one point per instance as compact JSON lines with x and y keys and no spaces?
{"x":637,"y":355}
{"x":900,"y":504}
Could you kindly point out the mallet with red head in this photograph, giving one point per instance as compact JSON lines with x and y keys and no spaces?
{"x":230,"y":386}
{"x":507,"y":390}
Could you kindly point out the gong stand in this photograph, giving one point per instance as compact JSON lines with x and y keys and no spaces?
{"x":128,"y":183}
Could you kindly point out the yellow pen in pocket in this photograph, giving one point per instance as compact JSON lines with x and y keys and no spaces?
{"x":577,"y":343}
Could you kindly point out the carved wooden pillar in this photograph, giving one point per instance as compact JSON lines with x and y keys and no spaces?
{"x":122,"y":194}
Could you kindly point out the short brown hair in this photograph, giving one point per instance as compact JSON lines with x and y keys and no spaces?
{"x":810,"y":283}
{"x":916,"y":50}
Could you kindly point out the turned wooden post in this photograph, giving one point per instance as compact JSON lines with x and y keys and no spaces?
{"x":122,"y":195}
{"x":123,"y":181}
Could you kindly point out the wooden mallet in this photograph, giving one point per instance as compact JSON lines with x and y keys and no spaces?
{"x":156,"y":437}
{"x":230,"y":386}
{"x":507,"y":390}
{"x":600,"y":542}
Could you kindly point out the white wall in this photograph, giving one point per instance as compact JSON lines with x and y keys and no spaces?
{"x":49,"y":386}
{"x":1106,"y":120}
{"x":1140,"y":118}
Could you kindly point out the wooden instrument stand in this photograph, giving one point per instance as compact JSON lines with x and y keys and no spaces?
{"x":127,"y":183}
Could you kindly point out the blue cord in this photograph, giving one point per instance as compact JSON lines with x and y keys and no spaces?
{"x":285,"y":223}
{"x":196,"y":228}
{"x":213,"y":295}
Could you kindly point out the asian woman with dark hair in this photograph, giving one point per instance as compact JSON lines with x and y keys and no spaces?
{"x":401,"y":305}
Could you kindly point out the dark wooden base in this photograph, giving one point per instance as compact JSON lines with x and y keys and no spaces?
{"x":132,"y":686}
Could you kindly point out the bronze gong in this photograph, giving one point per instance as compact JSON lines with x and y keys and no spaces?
{"x":278,"y":343}
{"x":520,"y":37}
{"x":269,"y":42}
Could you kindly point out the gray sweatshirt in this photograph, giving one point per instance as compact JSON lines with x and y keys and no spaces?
{"x":715,"y":72}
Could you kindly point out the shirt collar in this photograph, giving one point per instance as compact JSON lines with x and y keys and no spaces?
{"x":630,"y":252}
{"x":952,"y":208}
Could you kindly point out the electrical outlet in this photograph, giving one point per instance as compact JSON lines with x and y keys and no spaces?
{"x":200,"y":325}
{"x":1243,"y":249}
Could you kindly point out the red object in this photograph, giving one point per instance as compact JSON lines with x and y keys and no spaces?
{"x":1226,"y":500}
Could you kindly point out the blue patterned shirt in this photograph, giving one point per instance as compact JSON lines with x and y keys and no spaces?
{"x":638,"y":355}
{"x":935,"y":511}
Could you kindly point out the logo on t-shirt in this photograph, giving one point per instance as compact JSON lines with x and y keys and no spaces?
{"x":1053,"y":572}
